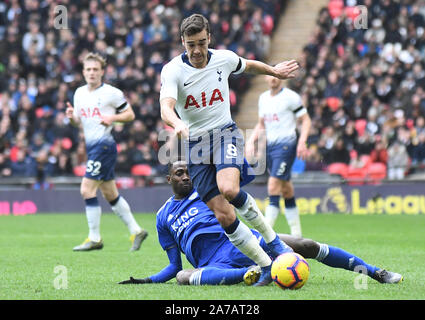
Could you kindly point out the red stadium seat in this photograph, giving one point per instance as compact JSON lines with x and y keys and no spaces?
{"x":268,"y":24}
{"x":376,"y":172}
{"x":360,"y":126}
{"x":366,"y":159}
{"x":141,"y":170}
{"x":339,"y":168}
{"x":335,"y":7}
{"x":356,"y":176}
{"x":125,"y":183}
{"x":352,"y":12}
{"x":80,"y":171}
{"x":333,"y":103}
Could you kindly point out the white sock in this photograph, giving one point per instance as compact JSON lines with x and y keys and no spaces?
{"x":323,"y":252}
{"x":243,"y":239}
{"x":293,"y":218}
{"x":122,"y":209}
{"x":93,"y":214}
{"x":271,"y":214}
{"x":253,"y":215}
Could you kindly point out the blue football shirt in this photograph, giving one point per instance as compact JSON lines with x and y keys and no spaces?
{"x":180,"y":221}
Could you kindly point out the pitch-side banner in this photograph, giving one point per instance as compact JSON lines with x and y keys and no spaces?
{"x":401,"y":198}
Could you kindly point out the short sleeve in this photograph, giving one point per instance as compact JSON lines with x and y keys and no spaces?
{"x":118,"y":100}
{"x":260,"y":106}
{"x":169,"y":85}
{"x":297,"y":105}
{"x":237,"y":63}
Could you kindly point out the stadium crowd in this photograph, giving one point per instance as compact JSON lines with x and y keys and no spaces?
{"x":45,"y":45}
{"x":363,"y":87}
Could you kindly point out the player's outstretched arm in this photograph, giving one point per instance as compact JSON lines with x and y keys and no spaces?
{"x":283,"y":70}
{"x":136,"y":281}
{"x":169,"y":116}
{"x":168,"y":273}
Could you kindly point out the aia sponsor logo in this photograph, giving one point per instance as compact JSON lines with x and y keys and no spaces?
{"x":90,"y":112}
{"x":203,"y":100}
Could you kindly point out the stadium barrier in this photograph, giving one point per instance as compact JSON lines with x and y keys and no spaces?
{"x":391,"y":198}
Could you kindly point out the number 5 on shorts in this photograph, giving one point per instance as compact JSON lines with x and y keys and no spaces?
{"x":282,"y":168}
{"x":93,"y":167}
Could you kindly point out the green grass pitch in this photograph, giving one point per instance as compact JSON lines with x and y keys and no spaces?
{"x":37,"y":261}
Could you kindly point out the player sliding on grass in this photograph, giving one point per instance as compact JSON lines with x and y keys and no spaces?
{"x":185,"y":224}
{"x":97,"y":106}
{"x":195,"y":86}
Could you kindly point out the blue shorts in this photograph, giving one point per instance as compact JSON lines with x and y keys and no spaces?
{"x":280,"y":158}
{"x":227,"y":256}
{"x":212,"y":152}
{"x":101,"y":160}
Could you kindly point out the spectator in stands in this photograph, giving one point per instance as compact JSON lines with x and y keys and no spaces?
{"x":367,"y":63}
{"x":398,"y":160}
{"x":5,"y":170}
{"x":314,"y":161}
{"x":339,"y":152}
{"x":24,"y":165}
{"x":418,"y":149}
{"x":379,"y":154}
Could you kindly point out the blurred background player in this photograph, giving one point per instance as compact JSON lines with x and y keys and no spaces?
{"x":185,"y":224}
{"x":97,"y":106}
{"x":195,"y":86}
{"x":279,"y":108}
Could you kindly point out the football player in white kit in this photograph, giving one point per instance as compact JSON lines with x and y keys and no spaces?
{"x":279,"y":108}
{"x":97,"y":106}
{"x":195,"y":86}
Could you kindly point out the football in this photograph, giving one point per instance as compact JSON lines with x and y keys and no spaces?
{"x":290,"y":271}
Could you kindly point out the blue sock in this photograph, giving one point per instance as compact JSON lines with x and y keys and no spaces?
{"x":338,"y":258}
{"x":274,"y":201}
{"x":290,"y":203}
{"x":240,"y":199}
{"x":213,"y":275}
{"x":92,"y":202}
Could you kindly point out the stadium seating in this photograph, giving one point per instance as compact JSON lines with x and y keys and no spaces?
{"x":360,"y":125}
{"x":80,"y":171}
{"x":366,"y":159}
{"x":356,"y":176}
{"x":336,"y":8}
{"x":376,"y":172}
{"x":298,"y":166}
{"x":338,"y":168}
{"x":141,"y":170}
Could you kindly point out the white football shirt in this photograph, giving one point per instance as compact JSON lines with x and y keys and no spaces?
{"x":280,"y":113}
{"x":202,"y":95}
{"x":90,"y":105}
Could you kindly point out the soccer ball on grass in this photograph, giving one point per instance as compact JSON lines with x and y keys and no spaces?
{"x":290,"y":271}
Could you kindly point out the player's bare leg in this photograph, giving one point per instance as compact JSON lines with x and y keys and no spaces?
{"x":88,"y":191}
{"x":122,"y":209}
{"x":183,"y":276}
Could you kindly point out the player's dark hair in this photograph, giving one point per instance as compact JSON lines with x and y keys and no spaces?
{"x":172,"y":162}
{"x":194,"y":24}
